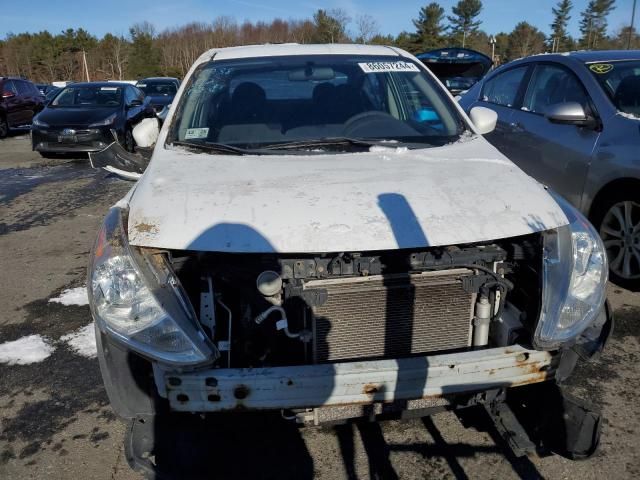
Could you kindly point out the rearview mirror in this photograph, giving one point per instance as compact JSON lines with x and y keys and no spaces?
{"x":484,"y":119}
{"x":569,"y":113}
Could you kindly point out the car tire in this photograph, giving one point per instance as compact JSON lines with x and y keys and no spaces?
{"x":129,"y":141}
{"x":617,"y":219}
{"x":4,"y":127}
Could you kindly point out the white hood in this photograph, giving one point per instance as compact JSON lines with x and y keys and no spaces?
{"x":386,"y":199}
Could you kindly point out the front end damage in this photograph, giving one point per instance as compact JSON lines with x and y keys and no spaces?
{"x":331,"y":337}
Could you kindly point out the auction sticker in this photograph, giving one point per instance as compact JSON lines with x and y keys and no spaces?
{"x":196,"y":133}
{"x":377,"y":67}
{"x":601,"y":68}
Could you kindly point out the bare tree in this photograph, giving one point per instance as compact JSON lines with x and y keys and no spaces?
{"x":368,"y":27}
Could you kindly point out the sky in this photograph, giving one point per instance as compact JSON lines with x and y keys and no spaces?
{"x":116,"y":16}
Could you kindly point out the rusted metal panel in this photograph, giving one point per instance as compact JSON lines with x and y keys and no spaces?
{"x":357,"y":383}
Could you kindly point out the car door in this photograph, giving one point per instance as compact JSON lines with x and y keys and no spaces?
{"x":27,"y":102}
{"x":557,"y":155}
{"x":502,"y":94}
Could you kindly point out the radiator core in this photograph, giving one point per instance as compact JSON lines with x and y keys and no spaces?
{"x":391,"y":316}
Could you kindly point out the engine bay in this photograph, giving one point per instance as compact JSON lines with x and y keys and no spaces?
{"x":277,"y":310}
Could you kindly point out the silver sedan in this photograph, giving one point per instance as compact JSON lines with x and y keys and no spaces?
{"x":573,"y":122}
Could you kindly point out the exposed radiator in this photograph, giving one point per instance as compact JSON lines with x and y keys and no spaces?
{"x":392,"y":316}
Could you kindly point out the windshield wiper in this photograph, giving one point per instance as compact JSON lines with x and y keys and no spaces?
{"x":325,"y":142}
{"x":213,"y":147}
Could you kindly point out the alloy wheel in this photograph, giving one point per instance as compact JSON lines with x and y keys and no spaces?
{"x":620,"y":232}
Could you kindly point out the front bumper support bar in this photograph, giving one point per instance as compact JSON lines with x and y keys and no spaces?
{"x":355,"y":383}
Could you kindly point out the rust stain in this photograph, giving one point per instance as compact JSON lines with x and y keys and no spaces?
{"x":370,"y":389}
{"x":144,"y":227}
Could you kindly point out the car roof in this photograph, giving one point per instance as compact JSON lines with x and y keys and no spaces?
{"x":158,"y":79}
{"x":98,"y":84}
{"x":285,"y":49}
{"x":605,"y":55}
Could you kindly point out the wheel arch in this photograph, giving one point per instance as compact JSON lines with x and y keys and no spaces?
{"x":609,"y":190}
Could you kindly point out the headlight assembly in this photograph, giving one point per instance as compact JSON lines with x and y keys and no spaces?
{"x":575,"y":275}
{"x":39,"y":123}
{"x":103,"y":123}
{"x":139,"y":301}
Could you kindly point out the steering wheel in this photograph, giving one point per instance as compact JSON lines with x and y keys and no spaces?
{"x":368,"y":116}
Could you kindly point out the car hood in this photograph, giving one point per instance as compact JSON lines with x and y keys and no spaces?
{"x":79,"y":117}
{"x":380,"y":200}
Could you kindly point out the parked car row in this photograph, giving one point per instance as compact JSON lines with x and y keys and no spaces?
{"x":82,"y":117}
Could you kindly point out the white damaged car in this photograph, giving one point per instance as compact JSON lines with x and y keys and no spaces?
{"x":322,"y":231}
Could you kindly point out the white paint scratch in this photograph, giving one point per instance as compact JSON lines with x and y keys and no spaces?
{"x":25,"y":350}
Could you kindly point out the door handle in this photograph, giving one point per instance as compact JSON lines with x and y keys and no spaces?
{"x":516,"y":127}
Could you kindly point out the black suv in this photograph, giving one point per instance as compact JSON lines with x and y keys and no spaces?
{"x":20,"y":101}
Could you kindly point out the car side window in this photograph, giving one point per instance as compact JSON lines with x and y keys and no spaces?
{"x":9,"y":86}
{"x":503,"y":88}
{"x":22,"y":87}
{"x":139,"y":93}
{"x":129,"y":95}
{"x":551,"y":85}
{"x":34,"y":89}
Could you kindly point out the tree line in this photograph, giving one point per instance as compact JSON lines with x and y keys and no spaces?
{"x":143,"y":52}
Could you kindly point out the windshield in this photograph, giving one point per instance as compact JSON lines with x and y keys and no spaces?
{"x":158,"y":88}
{"x":88,"y":96}
{"x":621,"y":81}
{"x":257,"y":103}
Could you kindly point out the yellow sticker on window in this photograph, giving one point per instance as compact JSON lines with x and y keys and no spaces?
{"x":601,"y":68}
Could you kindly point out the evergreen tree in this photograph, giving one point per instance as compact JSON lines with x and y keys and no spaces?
{"x":560,"y":40}
{"x":429,"y":27}
{"x":593,"y":24}
{"x":144,"y":59}
{"x":525,"y":40}
{"x":463,"y":21}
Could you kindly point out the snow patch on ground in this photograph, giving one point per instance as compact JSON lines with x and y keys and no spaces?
{"x":82,"y":341}
{"x":72,"y":296}
{"x":25,"y":350}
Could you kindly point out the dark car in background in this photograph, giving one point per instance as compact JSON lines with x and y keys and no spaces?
{"x":572,"y":121}
{"x":51,"y":93}
{"x":20,"y":101}
{"x":87,"y":117}
{"x":159,"y":90}
{"x":45,"y":88}
{"x":458,"y":68}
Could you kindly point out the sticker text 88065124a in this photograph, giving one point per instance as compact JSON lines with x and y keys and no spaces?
{"x":378,"y":67}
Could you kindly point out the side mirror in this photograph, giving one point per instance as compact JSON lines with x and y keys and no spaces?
{"x":8,"y":94}
{"x":146,"y":132}
{"x":135,"y":103}
{"x":484,"y":119}
{"x":569,"y":113}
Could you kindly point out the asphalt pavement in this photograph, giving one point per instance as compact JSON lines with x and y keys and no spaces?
{"x":56,"y":422}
